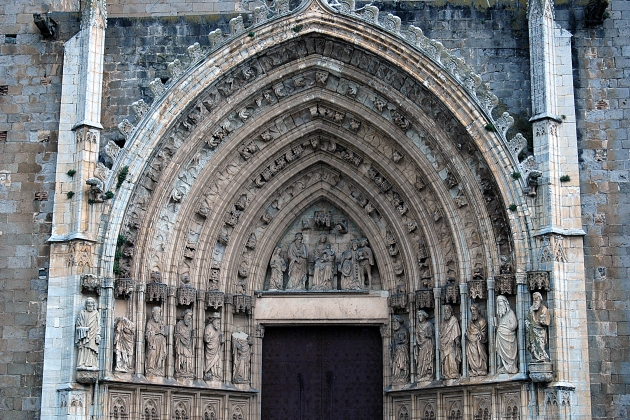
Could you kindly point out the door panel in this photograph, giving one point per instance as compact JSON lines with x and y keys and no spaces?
{"x":322,"y":373}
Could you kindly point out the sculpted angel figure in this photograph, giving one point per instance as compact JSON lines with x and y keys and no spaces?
{"x":506,"y":343}
{"x":278,"y":267}
{"x":424,"y":348}
{"x":297,"y":263}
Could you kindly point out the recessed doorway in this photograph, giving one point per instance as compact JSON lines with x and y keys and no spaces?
{"x":322,"y":373}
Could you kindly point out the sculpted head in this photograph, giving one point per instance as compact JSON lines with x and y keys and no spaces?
{"x":422,"y":316}
{"x":448,"y":312}
{"x":323,"y":238}
{"x":537,"y":301}
{"x":474,"y":310}
{"x":277,"y":250}
{"x":156,"y":314}
{"x":298,"y":238}
{"x":90,"y":304}
{"x":187,"y":316}
{"x":398,"y":322}
{"x":503,"y":305}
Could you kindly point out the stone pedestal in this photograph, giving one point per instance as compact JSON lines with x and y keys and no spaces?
{"x":541,"y":371}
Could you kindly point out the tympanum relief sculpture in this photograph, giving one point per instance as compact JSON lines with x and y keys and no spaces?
{"x":123,"y":344}
{"x":476,"y":347}
{"x":213,"y":340}
{"x":506,"y":342}
{"x":241,"y":353}
{"x":297,"y":264}
{"x":155,"y":343}
{"x":184,"y":359}
{"x":450,"y":344}
{"x":324,"y":265}
{"x":88,"y":336}
{"x":400,"y":351}
{"x":424,"y":348}
{"x":278,"y":266}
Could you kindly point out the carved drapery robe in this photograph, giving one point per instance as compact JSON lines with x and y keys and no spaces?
{"x":297,"y":266}
{"x":400,"y":357}
{"x":476,"y":350}
{"x":425,"y":351}
{"x":278,"y":267}
{"x":184,"y":360}
{"x":450,"y":348}
{"x":88,"y":328}
{"x":536,"y":324}
{"x":506,"y":344}
{"x":323,"y":274}
{"x":123,"y":344}
{"x":242,"y":351}
{"x":349,"y":278}
{"x":213,"y":341}
{"x":156,"y":347}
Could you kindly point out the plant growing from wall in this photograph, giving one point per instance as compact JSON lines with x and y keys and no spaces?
{"x":122,"y":176}
{"x":71,"y":173}
{"x":70,"y":194}
{"x":565,"y":178}
{"x":118,"y":254}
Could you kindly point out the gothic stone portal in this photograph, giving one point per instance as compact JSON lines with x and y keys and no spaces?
{"x":313,"y":373}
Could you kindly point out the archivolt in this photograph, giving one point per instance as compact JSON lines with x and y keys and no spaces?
{"x":406,"y":108}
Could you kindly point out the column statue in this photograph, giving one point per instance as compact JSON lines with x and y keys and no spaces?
{"x":213,"y":339}
{"x":424,"y":348}
{"x":536,"y":329}
{"x":477,"y":339}
{"x":123,"y":344}
{"x":88,"y":336}
{"x":241,"y":353}
{"x":184,"y":359}
{"x":156,"y":343}
{"x":400,"y":351}
{"x":506,"y":342}
{"x":450,"y":344}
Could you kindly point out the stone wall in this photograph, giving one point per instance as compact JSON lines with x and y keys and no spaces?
{"x":30,"y":68}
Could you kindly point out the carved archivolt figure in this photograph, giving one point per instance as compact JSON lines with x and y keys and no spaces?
{"x":88,"y":329}
{"x":242,"y":352}
{"x":476,"y":348}
{"x":366,"y":261}
{"x":213,"y":340}
{"x":156,"y":343}
{"x":400,"y":351}
{"x":506,"y":344}
{"x":424,"y":348}
{"x":536,"y":328}
{"x":123,"y":344}
{"x":324,"y":264}
{"x":278,"y":267}
{"x":349,"y":279}
{"x":184,"y":360}
{"x":297,"y":264}
{"x":450,"y":344}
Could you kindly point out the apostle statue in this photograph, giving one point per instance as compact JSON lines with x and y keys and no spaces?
{"x":536,"y":329}
{"x":241,"y":353}
{"x":278,"y":267}
{"x":123,"y":344}
{"x":349,"y":276}
{"x":213,"y":339}
{"x":424,"y":348}
{"x":184,"y":359}
{"x":156,"y":343}
{"x":88,"y":338}
{"x":450,"y":344}
{"x":365,"y":257}
{"x":477,"y":339}
{"x":506,"y":343}
{"x":297,"y":264}
{"x":324,"y":265}
{"x":400,"y":351}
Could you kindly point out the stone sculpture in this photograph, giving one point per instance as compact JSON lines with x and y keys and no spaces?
{"x":184,"y":359}
{"x":476,"y":348}
{"x":450,"y":344}
{"x":297,"y":264}
{"x":241,"y":353}
{"x":213,"y":339}
{"x":156,"y":343}
{"x":365,"y":257}
{"x":349,"y":279}
{"x":123,"y":344}
{"x":506,"y":344}
{"x":278,"y":267}
{"x":536,"y":329}
{"x":424,"y":348}
{"x":400,"y":351}
{"x":324,"y":265}
{"x":88,"y":338}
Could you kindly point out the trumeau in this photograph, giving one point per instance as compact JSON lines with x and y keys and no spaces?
{"x":293,"y":173}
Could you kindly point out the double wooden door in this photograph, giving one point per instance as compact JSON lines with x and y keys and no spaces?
{"x":322,"y":373}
